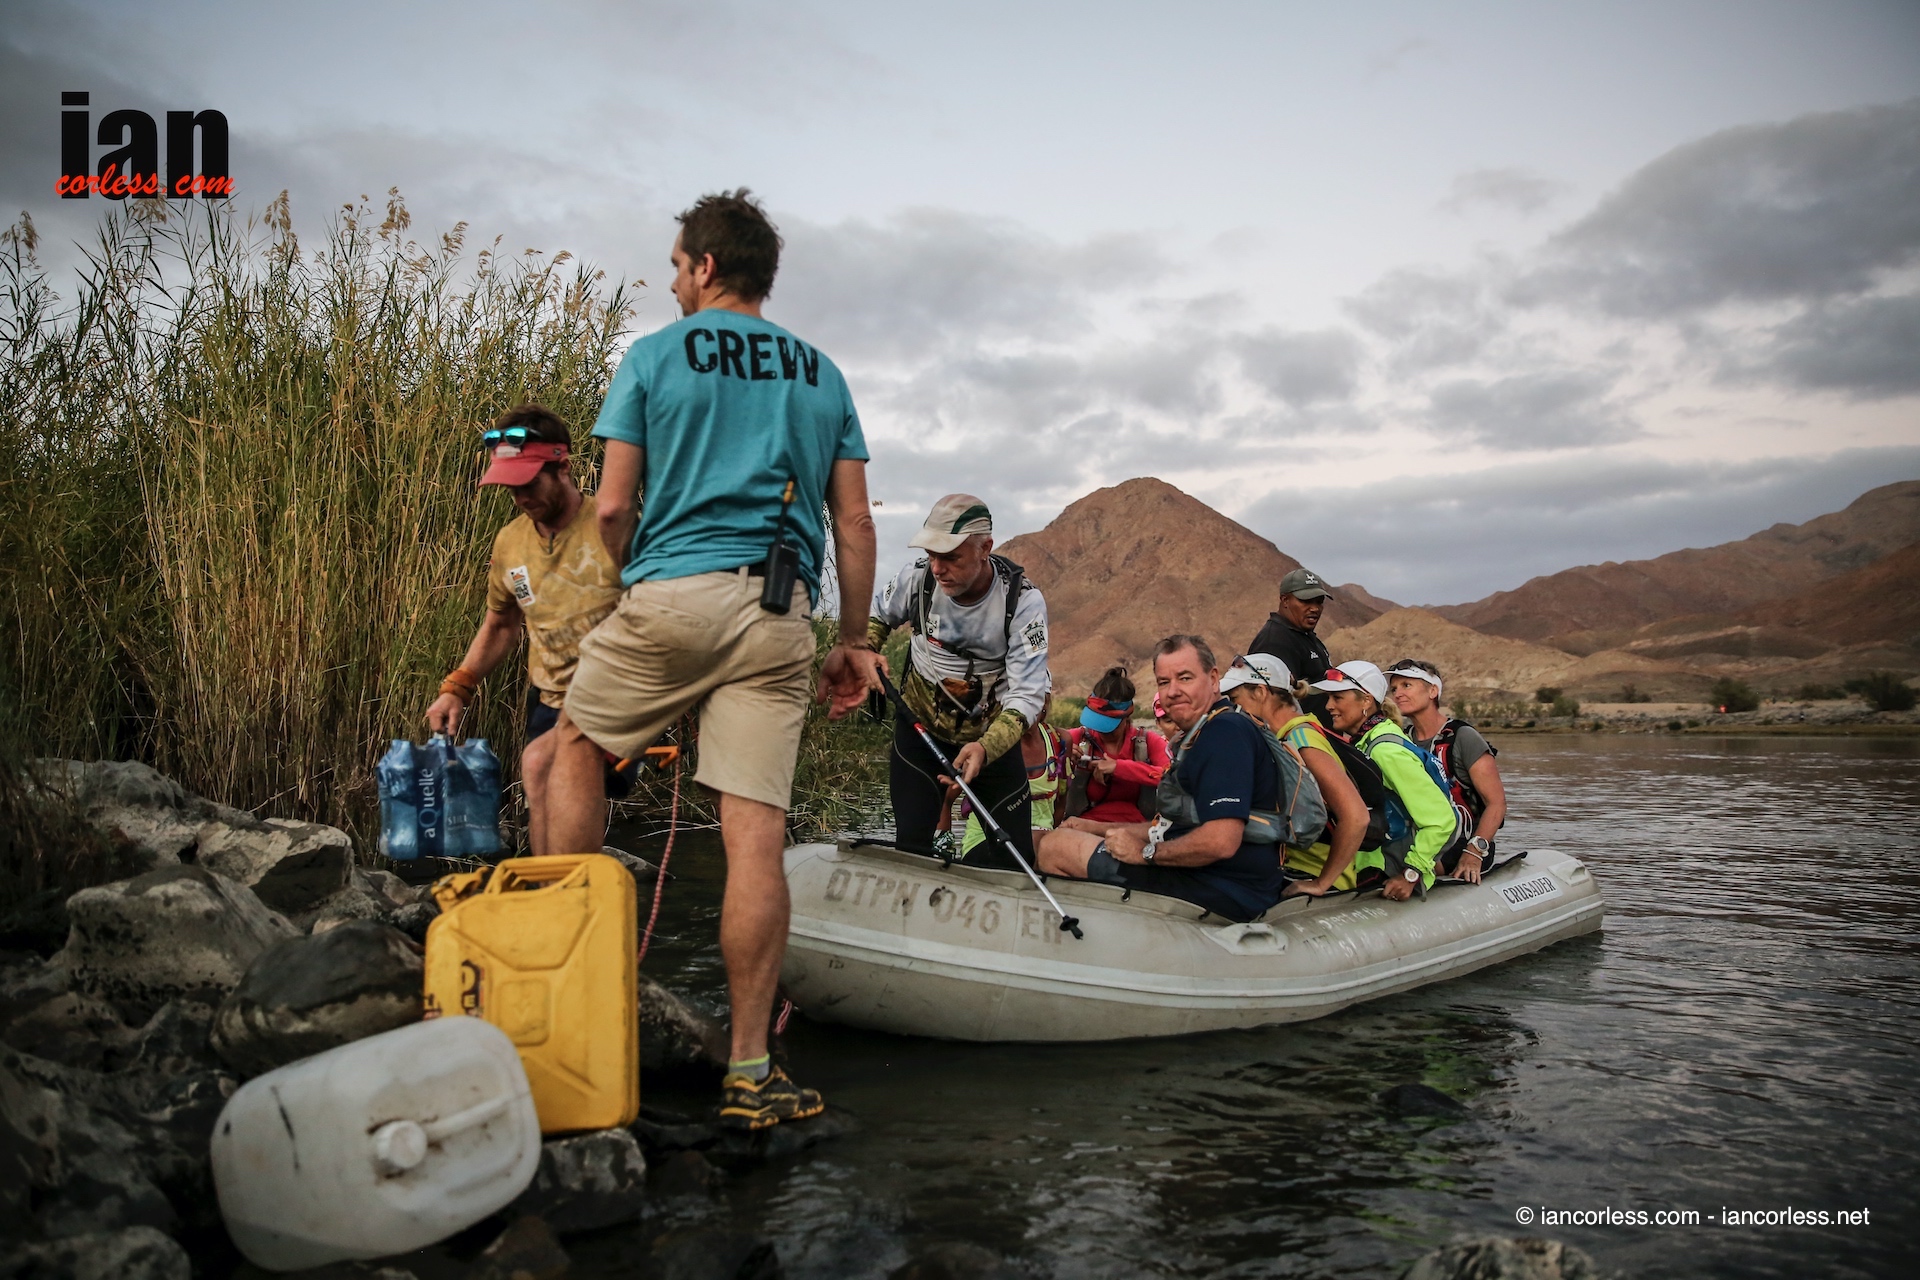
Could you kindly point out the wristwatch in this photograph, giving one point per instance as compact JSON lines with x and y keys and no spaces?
{"x":1413,"y":877}
{"x":1146,"y":854}
{"x":1480,"y":847}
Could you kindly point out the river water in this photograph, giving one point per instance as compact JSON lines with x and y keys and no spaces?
{"x":1743,"y":1035}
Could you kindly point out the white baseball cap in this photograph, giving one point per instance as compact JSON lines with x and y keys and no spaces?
{"x":1354,"y":675}
{"x":953,"y":520}
{"x":1260,"y":669}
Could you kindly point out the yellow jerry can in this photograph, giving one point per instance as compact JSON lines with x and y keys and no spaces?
{"x":543,"y":948}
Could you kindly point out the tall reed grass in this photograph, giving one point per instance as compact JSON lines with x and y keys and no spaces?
{"x":239,"y":535}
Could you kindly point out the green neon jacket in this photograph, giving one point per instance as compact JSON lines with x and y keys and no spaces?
{"x":1430,"y":808}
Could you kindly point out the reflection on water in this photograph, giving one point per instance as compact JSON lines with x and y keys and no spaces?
{"x":1741,"y":1035}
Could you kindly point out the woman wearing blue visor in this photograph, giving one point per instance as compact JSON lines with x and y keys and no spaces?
{"x":1116,"y":767}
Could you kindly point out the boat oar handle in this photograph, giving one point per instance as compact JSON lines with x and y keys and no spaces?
{"x":1068,"y":924}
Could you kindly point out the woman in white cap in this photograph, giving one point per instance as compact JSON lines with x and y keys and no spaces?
{"x":1261,"y":686}
{"x":1421,"y":818}
{"x":1466,"y":758}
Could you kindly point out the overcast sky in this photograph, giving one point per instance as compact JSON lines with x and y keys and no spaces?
{"x":1436,"y":297}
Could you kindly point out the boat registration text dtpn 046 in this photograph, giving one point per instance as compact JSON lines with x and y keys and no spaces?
{"x":981,"y":913}
{"x":1522,"y":894}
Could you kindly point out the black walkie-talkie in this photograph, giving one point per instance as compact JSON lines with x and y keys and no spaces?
{"x":783,"y":563}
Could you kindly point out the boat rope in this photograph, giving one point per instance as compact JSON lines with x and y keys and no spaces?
{"x":660,"y":876}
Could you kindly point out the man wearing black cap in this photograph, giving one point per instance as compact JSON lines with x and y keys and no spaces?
{"x":1289,"y":634}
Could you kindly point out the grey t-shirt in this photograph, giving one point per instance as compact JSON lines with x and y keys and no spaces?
{"x":1012,"y":664}
{"x":1468,"y":747}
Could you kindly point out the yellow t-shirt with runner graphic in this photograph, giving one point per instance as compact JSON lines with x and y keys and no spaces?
{"x":1303,"y":733}
{"x":563,"y":587}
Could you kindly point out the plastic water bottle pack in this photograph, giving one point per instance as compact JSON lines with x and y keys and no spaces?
{"x":439,"y":800}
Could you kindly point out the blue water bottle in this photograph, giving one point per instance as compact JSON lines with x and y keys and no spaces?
{"x":399,"y":808}
{"x":413,"y":799}
{"x":473,"y":801}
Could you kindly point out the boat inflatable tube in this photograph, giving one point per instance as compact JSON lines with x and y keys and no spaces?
{"x":897,"y":942}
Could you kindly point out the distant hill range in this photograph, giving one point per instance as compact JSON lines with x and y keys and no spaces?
{"x":1596,"y":606}
{"x":1816,"y":602}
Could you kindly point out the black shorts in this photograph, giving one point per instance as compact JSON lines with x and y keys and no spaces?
{"x":541,"y":718}
{"x":1168,"y":882}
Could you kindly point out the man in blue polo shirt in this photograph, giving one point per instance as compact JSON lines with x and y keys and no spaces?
{"x":739,"y":433}
{"x":1225,"y":766}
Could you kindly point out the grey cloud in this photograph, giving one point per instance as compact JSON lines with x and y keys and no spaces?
{"x":1460,"y":537}
{"x":1867,"y":349}
{"x":1515,"y":190}
{"x":929,"y":279}
{"x":1033,"y":397}
{"x":1302,"y":368}
{"x":1560,"y":410}
{"x":1430,"y":319}
{"x":1808,"y":209}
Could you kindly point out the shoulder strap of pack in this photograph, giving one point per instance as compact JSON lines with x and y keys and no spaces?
{"x":1188,"y":738}
{"x":1016,"y":578}
{"x":919,"y":619}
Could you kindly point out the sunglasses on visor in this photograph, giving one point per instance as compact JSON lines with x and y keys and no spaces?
{"x":1240,"y":660}
{"x":495,"y":436}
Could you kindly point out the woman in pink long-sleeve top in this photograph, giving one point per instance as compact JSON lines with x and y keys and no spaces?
{"x":1116,"y":766}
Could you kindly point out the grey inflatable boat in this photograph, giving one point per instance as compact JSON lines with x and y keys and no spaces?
{"x":898,"y":942}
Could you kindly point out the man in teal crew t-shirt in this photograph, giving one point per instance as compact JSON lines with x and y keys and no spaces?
{"x":738,"y":432}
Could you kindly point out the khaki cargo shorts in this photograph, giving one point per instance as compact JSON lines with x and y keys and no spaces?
{"x":702,"y":643}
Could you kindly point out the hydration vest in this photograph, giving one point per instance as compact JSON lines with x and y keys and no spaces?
{"x":976,"y":702}
{"x":1366,"y":779}
{"x":1078,"y":801}
{"x":1464,"y":792}
{"x":1302,"y":815}
{"x":1400,"y":826}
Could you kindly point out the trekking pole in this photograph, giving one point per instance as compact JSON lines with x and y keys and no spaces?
{"x":1068,"y":924}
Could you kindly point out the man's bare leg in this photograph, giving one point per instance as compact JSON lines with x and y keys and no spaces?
{"x":536,"y":763}
{"x":576,"y":792}
{"x":1065,"y":852}
{"x":753,"y":916}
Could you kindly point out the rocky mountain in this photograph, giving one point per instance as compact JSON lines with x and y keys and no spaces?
{"x":1126,"y":565}
{"x":1867,"y":619}
{"x":1818,"y":602}
{"x":1594,"y":607}
{"x":1864,"y":620}
{"x":1879,"y":604}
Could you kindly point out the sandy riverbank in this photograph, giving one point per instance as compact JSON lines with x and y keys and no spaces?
{"x":1786,"y":716}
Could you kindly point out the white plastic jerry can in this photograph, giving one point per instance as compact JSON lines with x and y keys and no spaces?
{"x":377,"y":1147}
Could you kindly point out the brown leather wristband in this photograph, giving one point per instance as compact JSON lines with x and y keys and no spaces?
{"x":461,"y":684}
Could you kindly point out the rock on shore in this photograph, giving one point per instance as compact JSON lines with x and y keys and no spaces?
{"x":303,"y":996}
{"x":239,"y":946}
{"x":177,"y":932}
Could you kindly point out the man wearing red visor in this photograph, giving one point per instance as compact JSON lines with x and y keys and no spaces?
{"x":549,"y":576}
